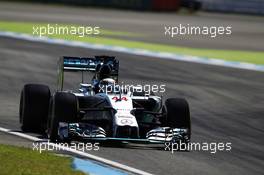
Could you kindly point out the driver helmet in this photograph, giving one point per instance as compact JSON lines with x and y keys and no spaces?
{"x":104,"y":71}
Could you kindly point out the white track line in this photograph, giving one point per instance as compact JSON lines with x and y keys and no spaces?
{"x":141,"y":52}
{"x":80,"y":153}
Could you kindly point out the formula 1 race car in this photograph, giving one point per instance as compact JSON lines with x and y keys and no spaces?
{"x":101,"y":109}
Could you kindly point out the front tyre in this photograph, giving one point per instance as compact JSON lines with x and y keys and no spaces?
{"x":178,"y":114}
{"x":63,"y":109}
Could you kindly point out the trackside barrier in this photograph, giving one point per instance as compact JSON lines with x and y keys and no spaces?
{"x":156,"y":5}
{"x":238,"y":6}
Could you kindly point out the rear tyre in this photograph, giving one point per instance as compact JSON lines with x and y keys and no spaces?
{"x":34,"y":106}
{"x":63,"y":109}
{"x":178,"y":114}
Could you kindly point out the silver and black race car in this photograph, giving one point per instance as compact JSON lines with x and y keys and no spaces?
{"x":102,"y":110}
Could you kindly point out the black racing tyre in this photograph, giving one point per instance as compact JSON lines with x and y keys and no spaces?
{"x":63,"y":109}
{"x":178,"y":114}
{"x":34,"y":107}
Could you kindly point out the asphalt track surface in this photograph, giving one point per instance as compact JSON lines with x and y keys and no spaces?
{"x":247,"y":31}
{"x":226,"y":106}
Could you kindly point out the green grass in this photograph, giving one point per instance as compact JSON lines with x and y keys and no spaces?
{"x":23,"y":161}
{"x":230,"y":55}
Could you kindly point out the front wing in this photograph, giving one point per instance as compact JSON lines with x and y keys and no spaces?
{"x":90,"y":132}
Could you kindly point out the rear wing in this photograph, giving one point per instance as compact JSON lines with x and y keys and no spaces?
{"x":79,"y":64}
{"x":85,"y":64}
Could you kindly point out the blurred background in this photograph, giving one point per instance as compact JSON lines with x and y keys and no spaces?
{"x":140,"y":24}
{"x":231,"y":6}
